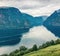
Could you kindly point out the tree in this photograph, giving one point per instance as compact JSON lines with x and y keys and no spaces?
{"x":34,"y":48}
{"x":57,"y":41}
{"x":48,"y":43}
{"x":52,"y":42}
{"x":16,"y":51}
{"x":40,"y":47}
{"x":23,"y":48}
{"x":44,"y":45}
{"x":4,"y":55}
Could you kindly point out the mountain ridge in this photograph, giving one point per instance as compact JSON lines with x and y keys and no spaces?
{"x":13,"y":24}
{"x":53,"y":23}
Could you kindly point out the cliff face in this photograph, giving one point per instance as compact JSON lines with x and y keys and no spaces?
{"x":53,"y":23}
{"x":11,"y":26}
{"x":13,"y":23}
{"x":33,"y":21}
{"x":10,"y":18}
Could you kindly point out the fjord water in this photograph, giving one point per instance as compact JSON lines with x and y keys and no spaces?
{"x":11,"y":36}
{"x":30,"y":38}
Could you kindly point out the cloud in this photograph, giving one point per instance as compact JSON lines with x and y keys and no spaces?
{"x":47,"y":10}
{"x":33,"y":7}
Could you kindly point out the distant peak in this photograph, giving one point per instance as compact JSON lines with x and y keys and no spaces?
{"x":6,"y":7}
{"x":58,"y":11}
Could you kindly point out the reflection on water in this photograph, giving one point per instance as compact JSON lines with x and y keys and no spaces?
{"x":11,"y":36}
{"x":31,"y":38}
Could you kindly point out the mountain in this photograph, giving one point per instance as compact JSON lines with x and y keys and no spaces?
{"x":49,"y":51}
{"x":32,"y":21}
{"x":29,"y":20}
{"x":11,"y":26}
{"x":10,"y":17}
{"x":44,"y":17}
{"x":52,"y":23}
{"x":39,"y":20}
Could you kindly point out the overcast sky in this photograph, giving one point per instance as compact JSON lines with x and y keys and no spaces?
{"x":33,"y":7}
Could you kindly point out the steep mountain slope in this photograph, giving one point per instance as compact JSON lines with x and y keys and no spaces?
{"x":13,"y":23}
{"x":53,"y":23}
{"x":28,"y":19}
{"x":49,"y":51}
{"x":10,"y":17}
{"x":39,"y":20}
{"x":11,"y":26}
{"x":32,"y":21}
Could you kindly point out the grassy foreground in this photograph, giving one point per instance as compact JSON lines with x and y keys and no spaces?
{"x":49,"y":51}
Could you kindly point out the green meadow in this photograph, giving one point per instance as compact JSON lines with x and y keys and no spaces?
{"x":49,"y":51}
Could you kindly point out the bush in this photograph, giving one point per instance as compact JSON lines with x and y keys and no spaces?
{"x":57,"y":41}
{"x":23,"y":48}
{"x":34,"y":48}
{"x":4,"y":55}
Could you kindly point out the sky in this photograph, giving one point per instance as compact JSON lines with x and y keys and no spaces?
{"x":33,"y":7}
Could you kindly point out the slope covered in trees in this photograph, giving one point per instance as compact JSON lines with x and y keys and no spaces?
{"x":50,"y":47}
{"x":49,"y":51}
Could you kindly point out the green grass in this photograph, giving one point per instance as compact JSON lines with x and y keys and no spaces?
{"x":49,"y":51}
